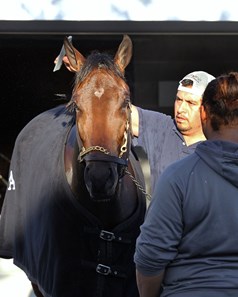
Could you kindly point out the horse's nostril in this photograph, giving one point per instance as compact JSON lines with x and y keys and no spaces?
{"x":101,"y":175}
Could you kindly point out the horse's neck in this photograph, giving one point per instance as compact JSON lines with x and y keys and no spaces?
{"x":109,"y":213}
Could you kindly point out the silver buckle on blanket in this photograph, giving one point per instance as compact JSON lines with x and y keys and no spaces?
{"x":105,"y":235}
{"x":103,"y":269}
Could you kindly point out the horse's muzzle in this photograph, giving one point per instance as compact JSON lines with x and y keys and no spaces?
{"x":102,"y":174}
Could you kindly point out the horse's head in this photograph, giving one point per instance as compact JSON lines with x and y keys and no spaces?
{"x":101,"y":98}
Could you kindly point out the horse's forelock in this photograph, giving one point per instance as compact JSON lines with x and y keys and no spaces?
{"x":97,"y":60}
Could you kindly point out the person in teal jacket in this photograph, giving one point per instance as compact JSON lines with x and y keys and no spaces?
{"x":188,"y":243}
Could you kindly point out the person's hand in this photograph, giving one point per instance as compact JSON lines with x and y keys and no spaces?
{"x":66,"y":63}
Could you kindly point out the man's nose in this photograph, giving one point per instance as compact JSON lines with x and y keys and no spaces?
{"x":183,"y":106}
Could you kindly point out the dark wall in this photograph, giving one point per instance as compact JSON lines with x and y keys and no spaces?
{"x":28,"y":86}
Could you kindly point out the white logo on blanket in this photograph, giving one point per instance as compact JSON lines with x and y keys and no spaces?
{"x":11,"y":182}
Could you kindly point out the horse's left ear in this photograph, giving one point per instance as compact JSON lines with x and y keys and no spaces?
{"x":76,"y":59}
{"x":124,"y":53}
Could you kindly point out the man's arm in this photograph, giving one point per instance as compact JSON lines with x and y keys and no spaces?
{"x":66,"y":63}
{"x":135,"y":120}
{"x":149,"y":286}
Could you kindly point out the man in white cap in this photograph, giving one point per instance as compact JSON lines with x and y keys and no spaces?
{"x":166,"y":140}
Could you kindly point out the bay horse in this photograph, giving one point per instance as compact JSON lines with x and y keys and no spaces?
{"x":72,"y":211}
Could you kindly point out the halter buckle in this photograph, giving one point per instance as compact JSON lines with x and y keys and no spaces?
{"x":103,"y":269}
{"x":105,"y":235}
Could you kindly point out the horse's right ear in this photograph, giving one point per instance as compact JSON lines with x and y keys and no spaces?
{"x":75,"y":58}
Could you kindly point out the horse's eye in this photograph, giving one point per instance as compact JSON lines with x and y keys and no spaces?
{"x":76,"y":107}
{"x":72,"y":106}
{"x":125,"y":103}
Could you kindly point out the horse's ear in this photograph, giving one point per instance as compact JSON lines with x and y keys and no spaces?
{"x":76,"y":60}
{"x":124,"y":53}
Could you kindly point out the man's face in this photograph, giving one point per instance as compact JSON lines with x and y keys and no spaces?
{"x":187,"y":112}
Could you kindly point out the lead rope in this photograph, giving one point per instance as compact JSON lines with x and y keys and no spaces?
{"x":139,"y":186}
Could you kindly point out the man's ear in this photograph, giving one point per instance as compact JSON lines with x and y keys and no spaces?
{"x":203,"y":114}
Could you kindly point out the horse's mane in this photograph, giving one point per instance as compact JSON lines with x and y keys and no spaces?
{"x":97,"y":60}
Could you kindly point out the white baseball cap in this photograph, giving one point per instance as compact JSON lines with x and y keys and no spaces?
{"x":200,"y":81}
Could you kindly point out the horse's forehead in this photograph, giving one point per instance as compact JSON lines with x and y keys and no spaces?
{"x":102,"y":85}
{"x":102,"y":78}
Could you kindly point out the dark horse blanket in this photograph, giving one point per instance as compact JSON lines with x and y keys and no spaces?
{"x":46,"y":231}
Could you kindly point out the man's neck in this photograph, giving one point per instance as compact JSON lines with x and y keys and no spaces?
{"x":191,"y":139}
{"x":225,"y":133}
